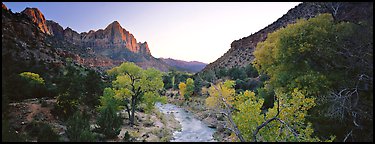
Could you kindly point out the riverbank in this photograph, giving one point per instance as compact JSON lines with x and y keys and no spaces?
{"x":150,"y":127}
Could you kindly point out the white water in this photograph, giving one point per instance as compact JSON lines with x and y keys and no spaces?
{"x":193,"y":130}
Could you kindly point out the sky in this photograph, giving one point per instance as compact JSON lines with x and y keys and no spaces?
{"x":190,"y":31}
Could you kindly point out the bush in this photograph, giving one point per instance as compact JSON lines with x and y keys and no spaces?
{"x":78,"y":128}
{"x":109,"y":122}
{"x":42,"y":131}
{"x":65,"y":106}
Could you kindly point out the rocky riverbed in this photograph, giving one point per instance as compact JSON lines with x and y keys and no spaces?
{"x":193,"y":130}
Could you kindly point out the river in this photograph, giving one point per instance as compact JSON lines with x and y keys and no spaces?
{"x":193,"y":130}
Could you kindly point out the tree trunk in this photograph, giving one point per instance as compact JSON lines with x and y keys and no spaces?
{"x":128,"y":110}
{"x":133,"y":112}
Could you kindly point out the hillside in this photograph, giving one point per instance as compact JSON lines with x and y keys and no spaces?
{"x":189,"y":66}
{"x":241,"y":52}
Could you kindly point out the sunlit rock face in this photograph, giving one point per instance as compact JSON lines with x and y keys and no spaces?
{"x":3,"y":6}
{"x":38,"y":18}
{"x":114,"y":36}
{"x":103,"y":48}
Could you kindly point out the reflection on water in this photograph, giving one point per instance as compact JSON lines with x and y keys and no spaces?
{"x":193,"y":130}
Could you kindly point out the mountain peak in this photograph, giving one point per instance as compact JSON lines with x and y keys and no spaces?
{"x":114,"y":25}
{"x":3,"y":6}
{"x":37,"y":17}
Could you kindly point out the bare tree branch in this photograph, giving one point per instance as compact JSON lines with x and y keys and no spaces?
{"x":348,"y":135}
{"x":229,"y":116}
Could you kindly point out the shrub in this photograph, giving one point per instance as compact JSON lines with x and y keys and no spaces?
{"x":42,"y":131}
{"x":109,"y":122}
{"x":78,"y":128}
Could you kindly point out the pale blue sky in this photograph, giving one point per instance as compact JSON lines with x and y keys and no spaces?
{"x":201,"y":31}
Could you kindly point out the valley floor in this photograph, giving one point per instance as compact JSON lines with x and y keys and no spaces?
{"x":152,"y":127}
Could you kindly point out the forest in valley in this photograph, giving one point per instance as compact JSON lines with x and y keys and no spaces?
{"x":310,"y":81}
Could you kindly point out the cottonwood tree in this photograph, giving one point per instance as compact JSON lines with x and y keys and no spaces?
{"x":132,"y":83}
{"x":221,"y":98}
{"x":284,"y":122}
{"x":326,"y":59}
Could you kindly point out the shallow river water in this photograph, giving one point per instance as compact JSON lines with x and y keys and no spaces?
{"x":193,"y":130}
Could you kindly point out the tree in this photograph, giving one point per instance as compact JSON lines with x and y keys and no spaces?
{"x":209,"y":76}
{"x":189,"y":88}
{"x":78,"y":128}
{"x":172,"y":81}
{"x":32,"y":85}
{"x":221,"y":98}
{"x":182,"y":88}
{"x":132,"y":83}
{"x":330,"y":61}
{"x":284,"y":122}
{"x":70,"y":90}
{"x":237,"y":73}
{"x":32,"y":77}
{"x":251,"y":71}
{"x":222,"y":72}
{"x":198,"y":84}
{"x":109,"y":122}
{"x":93,"y":87}
{"x":186,"y":90}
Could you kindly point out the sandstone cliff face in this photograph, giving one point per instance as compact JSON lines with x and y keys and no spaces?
{"x":114,"y":36}
{"x":24,"y":42}
{"x":241,"y":52}
{"x":38,"y":18}
{"x":101,"y":49}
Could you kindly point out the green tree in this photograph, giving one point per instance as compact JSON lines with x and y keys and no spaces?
{"x":198,"y":84}
{"x":78,"y":128}
{"x":330,"y":61}
{"x":108,"y":121}
{"x":70,"y":90}
{"x":209,"y":76}
{"x":132,"y":83}
{"x":189,"y":88}
{"x":93,"y":85}
{"x":222,"y":72}
{"x":251,"y":71}
{"x":237,"y":73}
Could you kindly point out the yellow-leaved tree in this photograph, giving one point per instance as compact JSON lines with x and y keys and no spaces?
{"x":133,"y":85}
{"x":182,"y":88}
{"x":284,"y":122}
